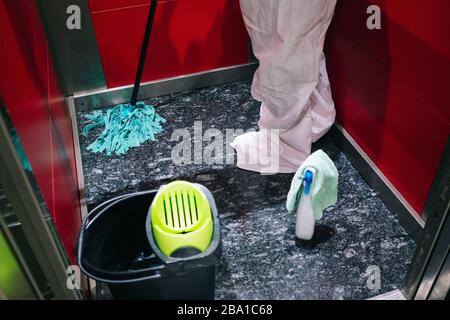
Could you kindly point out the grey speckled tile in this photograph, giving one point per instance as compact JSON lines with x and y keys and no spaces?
{"x":260,"y":259}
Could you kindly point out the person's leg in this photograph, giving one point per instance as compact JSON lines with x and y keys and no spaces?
{"x":287,"y":38}
{"x":322,"y":106}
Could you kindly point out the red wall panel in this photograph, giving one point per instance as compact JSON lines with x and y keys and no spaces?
{"x":106,"y":5}
{"x":188,"y":36}
{"x":390,"y":87}
{"x":32,"y":96}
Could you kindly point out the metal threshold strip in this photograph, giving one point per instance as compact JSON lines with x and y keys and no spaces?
{"x":391,"y":295}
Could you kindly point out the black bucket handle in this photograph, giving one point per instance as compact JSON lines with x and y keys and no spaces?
{"x":87,"y":221}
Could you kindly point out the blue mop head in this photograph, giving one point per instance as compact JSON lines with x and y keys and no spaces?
{"x":126,"y":126}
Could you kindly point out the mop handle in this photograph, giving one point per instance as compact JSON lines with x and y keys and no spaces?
{"x":140,"y":69}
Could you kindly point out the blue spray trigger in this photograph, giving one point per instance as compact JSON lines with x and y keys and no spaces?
{"x":308,"y":181}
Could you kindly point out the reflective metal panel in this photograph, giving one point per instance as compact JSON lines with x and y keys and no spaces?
{"x":74,"y":51}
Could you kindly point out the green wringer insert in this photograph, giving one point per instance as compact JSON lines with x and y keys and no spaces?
{"x":181,"y":219}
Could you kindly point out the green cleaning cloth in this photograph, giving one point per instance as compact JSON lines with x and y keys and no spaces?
{"x":125,"y":126}
{"x":323,"y":187}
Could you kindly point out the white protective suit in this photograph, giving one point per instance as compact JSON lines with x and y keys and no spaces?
{"x":291,"y":82}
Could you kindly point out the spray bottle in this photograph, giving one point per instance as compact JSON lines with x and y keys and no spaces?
{"x":304,"y":228}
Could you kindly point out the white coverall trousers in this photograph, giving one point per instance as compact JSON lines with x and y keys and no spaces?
{"x":291,"y":82}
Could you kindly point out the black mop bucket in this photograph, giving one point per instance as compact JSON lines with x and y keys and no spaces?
{"x":117,"y":248}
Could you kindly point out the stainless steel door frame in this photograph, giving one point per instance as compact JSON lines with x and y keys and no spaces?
{"x":428,"y":276}
{"x":15,"y":270}
{"x":441,"y":287}
{"x":24,"y":202}
{"x":435,"y":282}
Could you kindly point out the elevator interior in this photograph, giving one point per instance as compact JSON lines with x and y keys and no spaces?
{"x":390,"y":145}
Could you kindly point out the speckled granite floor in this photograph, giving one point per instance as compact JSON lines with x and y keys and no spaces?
{"x":260,"y":259}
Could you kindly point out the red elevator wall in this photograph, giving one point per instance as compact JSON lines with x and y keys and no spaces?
{"x":188,"y":36}
{"x":32,"y":96}
{"x":391,"y":87}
